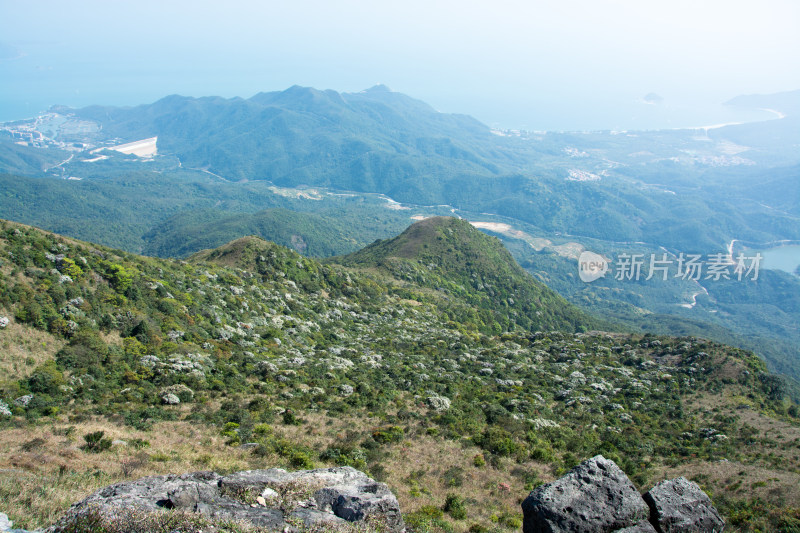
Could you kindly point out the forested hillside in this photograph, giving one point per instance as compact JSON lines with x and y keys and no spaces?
{"x":118,"y":364}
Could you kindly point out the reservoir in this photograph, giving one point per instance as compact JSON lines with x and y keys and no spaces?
{"x":786,"y":258}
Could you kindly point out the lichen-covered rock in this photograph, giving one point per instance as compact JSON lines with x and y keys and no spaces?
{"x":168,"y":398}
{"x":359,"y":501}
{"x":4,"y":321}
{"x":4,"y":409}
{"x":23,"y":401}
{"x":181,"y":391}
{"x":271,"y":498}
{"x":439,"y":404}
{"x":679,"y":505}
{"x":595,"y":496}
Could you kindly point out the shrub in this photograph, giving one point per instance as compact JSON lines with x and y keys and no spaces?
{"x":346,"y":456}
{"x":510,"y":521}
{"x":96,"y":442}
{"x":290,"y":419}
{"x":138,"y":444}
{"x":498,"y":441}
{"x":454,"y":506}
{"x":231,"y":430}
{"x":300,"y":459}
{"x":428,"y":519}
{"x":453,"y":476}
{"x":388,"y":435}
{"x":46,"y":379}
{"x":261,"y":430}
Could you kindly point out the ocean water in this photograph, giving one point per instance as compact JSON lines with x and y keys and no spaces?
{"x":48,"y":75}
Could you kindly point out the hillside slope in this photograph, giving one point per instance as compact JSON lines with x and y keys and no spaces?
{"x":155,"y":366}
{"x":325,"y":232}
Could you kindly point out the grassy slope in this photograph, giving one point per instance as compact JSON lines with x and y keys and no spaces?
{"x":320,"y":364}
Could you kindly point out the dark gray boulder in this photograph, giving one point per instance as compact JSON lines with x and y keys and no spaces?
{"x":267,"y":498}
{"x":642,"y":527}
{"x":359,"y":501}
{"x":679,"y":505}
{"x":595,"y":496}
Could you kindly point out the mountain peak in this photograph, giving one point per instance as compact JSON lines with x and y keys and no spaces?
{"x":298,"y":95}
{"x":460,"y":262}
{"x":378,"y":88}
{"x":241,"y":253}
{"x":440,"y":236}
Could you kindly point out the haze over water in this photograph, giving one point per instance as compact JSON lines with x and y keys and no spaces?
{"x":571,"y":65}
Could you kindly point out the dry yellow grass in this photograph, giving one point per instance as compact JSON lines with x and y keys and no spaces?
{"x":417,"y":472}
{"x":416,"y":469}
{"x":23,"y":348}
{"x":782,"y":435}
{"x":43,"y":470}
{"x":735,"y":479}
{"x":112,"y":338}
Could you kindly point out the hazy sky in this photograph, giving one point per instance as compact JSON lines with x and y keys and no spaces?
{"x":534,"y":64}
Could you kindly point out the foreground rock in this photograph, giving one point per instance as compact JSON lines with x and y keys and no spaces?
{"x":678,"y":505}
{"x":5,"y":525}
{"x":597,"y":497}
{"x":274,"y":498}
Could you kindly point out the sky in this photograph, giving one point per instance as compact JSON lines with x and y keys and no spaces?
{"x":570,"y":64}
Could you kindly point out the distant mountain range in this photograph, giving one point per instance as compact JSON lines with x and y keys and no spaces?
{"x":372,"y":141}
{"x":787,"y":102}
{"x":327,"y":173}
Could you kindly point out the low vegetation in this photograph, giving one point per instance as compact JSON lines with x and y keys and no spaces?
{"x":422,"y":380}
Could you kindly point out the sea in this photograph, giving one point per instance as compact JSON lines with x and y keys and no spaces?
{"x":30,"y":85}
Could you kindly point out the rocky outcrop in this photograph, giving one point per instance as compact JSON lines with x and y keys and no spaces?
{"x":678,"y":506}
{"x":6,"y":525}
{"x":597,"y":497}
{"x":272,"y":498}
{"x":594,"y":496}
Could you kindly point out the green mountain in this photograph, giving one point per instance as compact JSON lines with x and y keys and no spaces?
{"x":247,"y":253}
{"x":786,"y":102}
{"x":327,"y":232}
{"x":668,"y":188}
{"x":451,"y":257}
{"x":20,"y":159}
{"x":374,"y":140}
